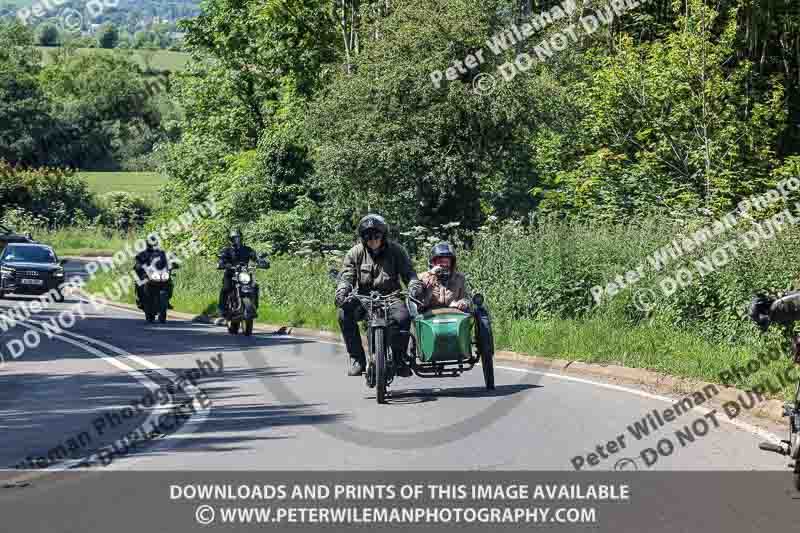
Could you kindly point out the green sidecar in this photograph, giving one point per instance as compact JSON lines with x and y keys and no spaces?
{"x":447,"y":342}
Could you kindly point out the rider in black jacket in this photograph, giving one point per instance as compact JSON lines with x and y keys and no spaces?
{"x":150,"y":257}
{"x":233,"y":255}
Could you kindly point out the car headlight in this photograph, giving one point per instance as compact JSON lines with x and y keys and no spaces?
{"x":7,"y":271}
{"x":244,"y":277}
{"x":59,"y":272}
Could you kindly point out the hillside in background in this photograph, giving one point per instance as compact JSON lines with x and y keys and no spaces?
{"x":148,"y":60}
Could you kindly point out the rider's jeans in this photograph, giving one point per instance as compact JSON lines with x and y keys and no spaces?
{"x":227,"y":286}
{"x":399,"y":323}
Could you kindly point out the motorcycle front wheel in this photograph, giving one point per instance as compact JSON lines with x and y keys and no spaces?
{"x":380,"y":366}
{"x":249,"y":310}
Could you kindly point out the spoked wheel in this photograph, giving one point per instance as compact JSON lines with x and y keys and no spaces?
{"x":380,"y":366}
{"x":796,"y":475}
{"x":486,"y":346}
{"x":233,"y":327}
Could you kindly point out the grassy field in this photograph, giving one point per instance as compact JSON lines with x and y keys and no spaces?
{"x":78,"y":242}
{"x":144,"y":184}
{"x":158,"y":60}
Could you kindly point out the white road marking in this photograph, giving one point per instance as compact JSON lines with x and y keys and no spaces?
{"x":703,"y":410}
{"x":188,"y":427}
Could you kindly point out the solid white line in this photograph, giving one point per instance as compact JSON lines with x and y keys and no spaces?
{"x":113,"y":361}
{"x":190,"y":426}
{"x":703,"y":410}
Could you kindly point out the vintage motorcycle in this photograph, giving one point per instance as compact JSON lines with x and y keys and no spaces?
{"x":241,"y":304}
{"x":155,"y":292}
{"x":444,"y":342}
{"x":784,"y":311}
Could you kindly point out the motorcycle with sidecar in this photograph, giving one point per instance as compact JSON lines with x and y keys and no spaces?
{"x":444,"y":342}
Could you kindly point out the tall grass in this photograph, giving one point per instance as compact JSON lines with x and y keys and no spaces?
{"x":533,"y":283}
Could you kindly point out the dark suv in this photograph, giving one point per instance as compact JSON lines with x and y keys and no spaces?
{"x":8,"y":236}
{"x":31,"y":268}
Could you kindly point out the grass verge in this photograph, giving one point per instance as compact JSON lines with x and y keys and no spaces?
{"x":298,"y":293}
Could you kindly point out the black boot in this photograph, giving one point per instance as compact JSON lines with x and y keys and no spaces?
{"x":399,"y":351}
{"x":403,"y":370}
{"x":221,"y":303}
{"x":357,"y":366}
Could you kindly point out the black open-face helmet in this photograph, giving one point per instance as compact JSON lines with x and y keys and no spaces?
{"x":235,"y":238}
{"x":443,"y":249}
{"x":372,"y":225}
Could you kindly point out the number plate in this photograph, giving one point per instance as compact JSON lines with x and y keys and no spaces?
{"x":32,"y":281}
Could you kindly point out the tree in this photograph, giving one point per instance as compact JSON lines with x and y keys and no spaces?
{"x":25,"y":112}
{"x":674,"y":123}
{"x":108,"y":36}
{"x":48,"y":35}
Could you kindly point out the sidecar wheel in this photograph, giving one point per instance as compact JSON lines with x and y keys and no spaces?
{"x":486,"y":347}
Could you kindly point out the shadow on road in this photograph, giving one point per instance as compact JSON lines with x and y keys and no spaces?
{"x":40,"y":411}
{"x":461,"y":392}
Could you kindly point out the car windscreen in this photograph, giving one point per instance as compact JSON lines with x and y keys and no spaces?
{"x":29,"y":254}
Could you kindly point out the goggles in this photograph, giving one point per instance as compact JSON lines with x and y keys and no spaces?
{"x":371,"y":234}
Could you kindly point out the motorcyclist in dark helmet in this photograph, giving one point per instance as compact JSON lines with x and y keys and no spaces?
{"x":376,"y":263}
{"x":236,"y":253}
{"x":150,"y":257}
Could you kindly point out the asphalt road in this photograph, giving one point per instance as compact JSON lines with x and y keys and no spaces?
{"x":285,"y":403}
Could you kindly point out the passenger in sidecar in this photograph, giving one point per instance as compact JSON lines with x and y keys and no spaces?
{"x":447,"y":322}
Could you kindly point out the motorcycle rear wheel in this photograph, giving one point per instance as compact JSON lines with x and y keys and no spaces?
{"x":380,"y":366}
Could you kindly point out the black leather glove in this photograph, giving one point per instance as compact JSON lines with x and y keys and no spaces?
{"x":342,"y":292}
{"x":416,"y":289}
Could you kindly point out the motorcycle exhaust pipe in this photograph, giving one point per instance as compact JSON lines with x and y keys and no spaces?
{"x":776,"y":448}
